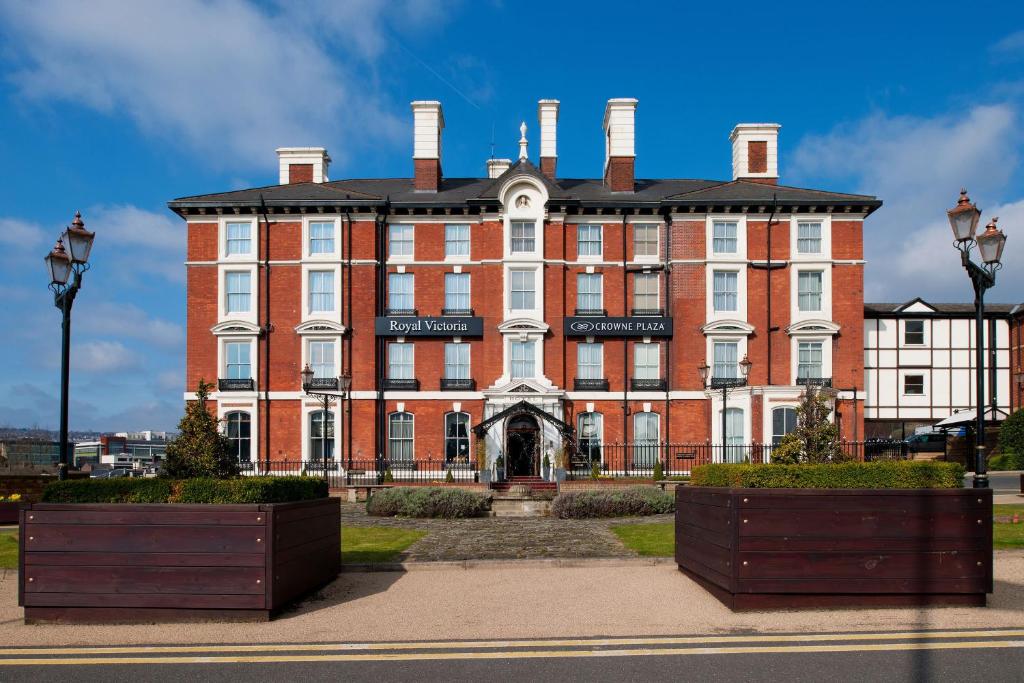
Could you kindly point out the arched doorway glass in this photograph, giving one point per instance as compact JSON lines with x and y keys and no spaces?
{"x":522,"y":445}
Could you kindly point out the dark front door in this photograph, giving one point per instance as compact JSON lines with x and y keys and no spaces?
{"x":523,"y":436}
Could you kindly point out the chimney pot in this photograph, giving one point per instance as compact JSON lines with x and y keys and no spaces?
{"x":755,"y":152}
{"x":428,"y":122}
{"x":619,"y":138}
{"x":302,"y":165}
{"x":495,"y":167}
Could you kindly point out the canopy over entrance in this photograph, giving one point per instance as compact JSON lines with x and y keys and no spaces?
{"x":523,"y":407}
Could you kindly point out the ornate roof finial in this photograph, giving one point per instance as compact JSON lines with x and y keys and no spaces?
{"x":522,"y":140}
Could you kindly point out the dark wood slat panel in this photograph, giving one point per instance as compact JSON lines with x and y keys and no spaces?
{"x":838,"y":565}
{"x":129,"y":538}
{"x":869,"y":543}
{"x":825,"y":523}
{"x":167,"y":601}
{"x":146,"y":580}
{"x":146,"y":507}
{"x":116,"y":615}
{"x":317,"y":548}
{"x":690,"y":534}
{"x":289,"y":512}
{"x":714,"y":519}
{"x":300,"y":532}
{"x":160,"y":517}
{"x":57,"y":558}
{"x":705,"y":496}
{"x":713,"y":556}
{"x":867,"y":585}
{"x":912,"y":503}
{"x":708,"y":573}
{"x":742,"y":602}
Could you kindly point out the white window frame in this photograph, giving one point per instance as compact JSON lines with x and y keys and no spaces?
{"x":590,"y":277}
{"x":581,"y":349}
{"x":821,"y":353}
{"x":456,"y":415}
{"x":411,"y":439}
{"x":468,"y":241}
{"x":320,"y":315}
{"x":795,"y":314}
{"x":650,"y":277}
{"x":411,"y":363}
{"x":222,"y":298}
{"x":460,"y":346}
{"x":239,"y":343}
{"x":741,"y":238}
{"x":825,"y":255}
{"x":740,"y":313}
{"x":512,"y":238}
{"x":588,"y":228}
{"x":646,"y":348}
{"x":468,"y":293}
{"x":222,"y":238}
{"x":647,"y":258}
{"x":794,"y":351}
{"x":411,"y":277}
{"x":222,"y":355}
{"x":924,"y":383}
{"x":334,"y":353}
{"x":924,"y":333}
{"x":307,"y":232}
{"x":522,"y":343}
{"x":537,"y":295}
{"x":322,"y":311}
{"x":735,"y":239}
{"x":408,"y":235}
{"x":727,"y":275}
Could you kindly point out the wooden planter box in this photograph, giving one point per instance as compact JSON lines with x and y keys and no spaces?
{"x":146,"y":563}
{"x":9,"y":512}
{"x":793,"y":548}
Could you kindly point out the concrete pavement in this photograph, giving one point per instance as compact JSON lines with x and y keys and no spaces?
{"x":506,"y":600}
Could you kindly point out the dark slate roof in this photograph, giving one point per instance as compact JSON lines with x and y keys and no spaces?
{"x":571,"y":191}
{"x":873,"y":309}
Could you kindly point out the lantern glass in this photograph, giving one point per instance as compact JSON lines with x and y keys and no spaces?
{"x":745,"y":366}
{"x":990,"y":244}
{"x":79,"y":241}
{"x":963,"y":219}
{"x":704,"y":370}
{"x":58,"y":265}
{"x":344,"y":382}
{"x":307,"y":377}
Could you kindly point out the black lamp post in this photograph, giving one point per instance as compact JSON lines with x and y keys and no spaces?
{"x":725,"y":383}
{"x":320,"y":387}
{"x":963,"y":219}
{"x":62,"y":266}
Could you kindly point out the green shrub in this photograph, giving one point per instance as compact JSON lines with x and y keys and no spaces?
{"x":200,"y":449}
{"x":1007,"y":460}
{"x":595,"y":470}
{"x":632,"y":501}
{"x":846,"y":475}
{"x":449,"y":478}
{"x":427,"y":501}
{"x":388,"y":477}
{"x":659,"y":472}
{"x":217,"y":491}
{"x":1011,"y":433}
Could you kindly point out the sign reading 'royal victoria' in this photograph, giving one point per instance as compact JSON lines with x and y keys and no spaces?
{"x":635,"y":326}
{"x":448,"y":326}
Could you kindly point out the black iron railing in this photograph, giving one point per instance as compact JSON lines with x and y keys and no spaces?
{"x":465,"y":312}
{"x":814,"y":381}
{"x":235,"y":384}
{"x":597,"y":312}
{"x":401,"y":312}
{"x":457,"y":384}
{"x":320,"y":383}
{"x":579,"y":384}
{"x":400,"y":384}
{"x":637,"y":384}
{"x":653,"y":312}
{"x":369,"y":472}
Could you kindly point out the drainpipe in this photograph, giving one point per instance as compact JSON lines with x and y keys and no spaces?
{"x":379,"y":341}
{"x":346,"y":361}
{"x":625,"y":341}
{"x":768,"y":279}
{"x":265,"y":330}
{"x":667,"y":265}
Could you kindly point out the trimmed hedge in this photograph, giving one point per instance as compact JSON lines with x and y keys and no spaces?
{"x":846,"y":475}
{"x":215,"y":491}
{"x":430,"y":501}
{"x":1007,"y":460}
{"x":628,"y":502}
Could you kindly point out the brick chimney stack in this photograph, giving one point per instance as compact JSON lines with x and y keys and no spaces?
{"x":619,"y":137}
{"x":302,"y":165}
{"x":428,"y":122}
{"x":547,"y":112}
{"x":755,"y":152}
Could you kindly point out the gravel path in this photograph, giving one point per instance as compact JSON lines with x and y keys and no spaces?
{"x":502,"y":538}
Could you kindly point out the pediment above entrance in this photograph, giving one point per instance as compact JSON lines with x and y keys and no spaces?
{"x":522,"y":388}
{"x":523,"y":326}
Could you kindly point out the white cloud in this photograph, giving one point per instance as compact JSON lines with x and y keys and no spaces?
{"x":1009,"y":47}
{"x":124,"y":320}
{"x":917,"y":166}
{"x":229,"y":79}
{"x":141,"y":243}
{"x":19,"y":233}
{"x":103,"y":356}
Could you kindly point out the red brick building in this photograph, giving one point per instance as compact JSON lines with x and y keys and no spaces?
{"x":523,"y":310}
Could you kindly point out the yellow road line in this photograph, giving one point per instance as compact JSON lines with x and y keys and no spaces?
{"x":480,"y":644}
{"x":529,"y":654}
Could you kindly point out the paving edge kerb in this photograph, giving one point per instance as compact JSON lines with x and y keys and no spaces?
{"x":554,"y":562}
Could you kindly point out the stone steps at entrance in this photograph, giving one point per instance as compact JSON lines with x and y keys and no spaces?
{"x":537,"y":484}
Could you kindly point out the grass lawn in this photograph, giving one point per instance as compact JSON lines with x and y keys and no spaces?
{"x":648,"y":540}
{"x":361,"y":545}
{"x":1008,"y":535}
{"x":8,"y":550}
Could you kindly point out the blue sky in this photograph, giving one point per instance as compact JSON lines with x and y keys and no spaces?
{"x":114,"y":108}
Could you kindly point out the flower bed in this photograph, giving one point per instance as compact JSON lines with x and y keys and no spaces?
{"x":835,"y":535}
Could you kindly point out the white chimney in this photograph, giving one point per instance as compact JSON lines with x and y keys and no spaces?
{"x":547,"y":112}
{"x":619,"y":147}
{"x":302,"y":165}
{"x":755,"y":152}
{"x":428,"y":122}
{"x":495,"y":167}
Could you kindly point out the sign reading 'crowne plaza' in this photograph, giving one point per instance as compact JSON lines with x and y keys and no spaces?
{"x":447,"y":326}
{"x":635,"y":326}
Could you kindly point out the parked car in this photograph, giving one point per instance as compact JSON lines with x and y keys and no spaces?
{"x":927,"y":442}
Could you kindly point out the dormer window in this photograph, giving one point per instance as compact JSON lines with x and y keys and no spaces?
{"x":524,"y":237}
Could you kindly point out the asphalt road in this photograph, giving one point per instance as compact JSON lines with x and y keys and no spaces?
{"x":990,"y":656}
{"x":999,"y":482}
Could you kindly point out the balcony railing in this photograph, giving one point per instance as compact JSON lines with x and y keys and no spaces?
{"x":637,"y":384}
{"x":236,"y":384}
{"x":652,"y":312}
{"x":457,"y":384}
{"x":321,"y":383}
{"x":392,"y":312}
{"x":814,"y":381}
{"x":596,"y":312}
{"x":400,"y":384}
{"x":728,"y":382}
{"x":580,"y":384}
{"x":464,"y":312}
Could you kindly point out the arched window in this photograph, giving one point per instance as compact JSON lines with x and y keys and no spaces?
{"x":734,"y":435}
{"x":400,"y":435}
{"x":591,"y":431}
{"x":321,"y":435}
{"x":783,"y":422}
{"x":646,"y":433}
{"x":238,"y":429}
{"x":456,"y":438}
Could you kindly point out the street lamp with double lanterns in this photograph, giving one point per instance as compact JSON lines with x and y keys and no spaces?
{"x":326,"y":389}
{"x":963,"y":219}
{"x":68,"y":260}
{"x":725,"y":383}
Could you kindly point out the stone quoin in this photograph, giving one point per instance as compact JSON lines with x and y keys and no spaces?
{"x":449,"y":300}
